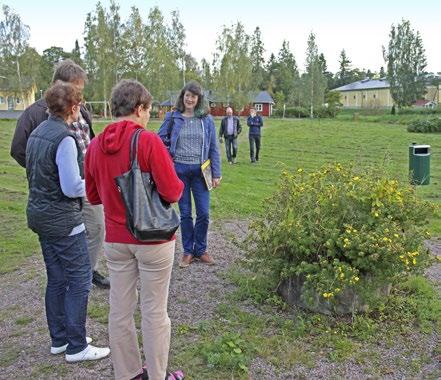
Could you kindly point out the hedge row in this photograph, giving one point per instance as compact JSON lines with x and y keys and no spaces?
{"x":425,"y":126}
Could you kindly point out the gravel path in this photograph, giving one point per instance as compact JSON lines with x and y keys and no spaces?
{"x":194,"y":294}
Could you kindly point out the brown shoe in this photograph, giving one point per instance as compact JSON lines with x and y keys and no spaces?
{"x":206,"y":259}
{"x":185,"y":261}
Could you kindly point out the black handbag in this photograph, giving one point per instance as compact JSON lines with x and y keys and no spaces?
{"x":149,"y":218}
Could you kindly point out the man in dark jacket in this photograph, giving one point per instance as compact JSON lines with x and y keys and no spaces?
{"x":32,"y":117}
{"x":255,"y":123}
{"x":229,"y":130}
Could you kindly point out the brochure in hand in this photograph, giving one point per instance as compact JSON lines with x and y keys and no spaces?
{"x":206,"y":173}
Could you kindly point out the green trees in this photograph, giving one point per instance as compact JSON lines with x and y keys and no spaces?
{"x":344,"y":74}
{"x":103,"y":45}
{"x":406,"y":62}
{"x":14,"y":36}
{"x":314,"y":80}
{"x":152,"y":49}
{"x":151,"y":52}
{"x":257,"y":59}
{"x":233,"y":67}
{"x":162,"y":70}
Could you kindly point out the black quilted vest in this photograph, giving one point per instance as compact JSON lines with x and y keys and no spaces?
{"x":49,"y":212}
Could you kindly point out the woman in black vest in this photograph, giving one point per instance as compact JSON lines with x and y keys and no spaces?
{"x":54,"y":168}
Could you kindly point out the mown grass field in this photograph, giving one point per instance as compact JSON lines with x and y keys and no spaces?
{"x":306,"y":144}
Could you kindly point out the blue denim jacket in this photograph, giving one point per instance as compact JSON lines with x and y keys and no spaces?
{"x":210,"y":149}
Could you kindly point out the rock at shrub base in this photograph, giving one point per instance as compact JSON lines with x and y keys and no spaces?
{"x":294,"y":293}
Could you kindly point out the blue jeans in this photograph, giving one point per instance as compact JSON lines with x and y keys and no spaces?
{"x":194,"y":236}
{"x":231,"y":147}
{"x":69,"y":279}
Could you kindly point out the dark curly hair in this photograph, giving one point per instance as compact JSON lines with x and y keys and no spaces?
{"x":61,"y":97}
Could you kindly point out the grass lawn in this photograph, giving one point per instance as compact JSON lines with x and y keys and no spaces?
{"x":306,"y":144}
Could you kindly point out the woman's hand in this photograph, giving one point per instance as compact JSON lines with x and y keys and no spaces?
{"x":216,"y":182}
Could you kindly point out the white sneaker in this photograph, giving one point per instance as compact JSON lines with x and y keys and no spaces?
{"x":61,"y":349}
{"x":89,"y":353}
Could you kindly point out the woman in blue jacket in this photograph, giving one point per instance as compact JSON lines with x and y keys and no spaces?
{"x":190,"y":135}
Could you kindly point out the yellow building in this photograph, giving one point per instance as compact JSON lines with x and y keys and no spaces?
{"x":375,"y":93}
{"x":12,"y":100}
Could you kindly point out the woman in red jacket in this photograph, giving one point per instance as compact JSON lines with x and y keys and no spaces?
{"x":129,"y":259}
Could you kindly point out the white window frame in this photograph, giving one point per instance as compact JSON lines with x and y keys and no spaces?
{"x":258,"y":107}
{"x":2,"y":100}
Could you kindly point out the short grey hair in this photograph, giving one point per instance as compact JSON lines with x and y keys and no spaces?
{"x":127,"y":95}
{"x":69,"y":71}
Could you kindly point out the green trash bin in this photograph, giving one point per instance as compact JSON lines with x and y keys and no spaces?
{"x":419,"y":164}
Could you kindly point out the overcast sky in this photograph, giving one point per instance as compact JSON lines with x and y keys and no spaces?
{"x":360,"y":27}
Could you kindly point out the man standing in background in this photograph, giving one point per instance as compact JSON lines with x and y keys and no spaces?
{"x":255,"y":122}
{"x":229,"y":130}
{"x":32,"y":117}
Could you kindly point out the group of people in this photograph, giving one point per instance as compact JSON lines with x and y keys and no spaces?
{"x":76,"y":210}
{"x":230,"y":129}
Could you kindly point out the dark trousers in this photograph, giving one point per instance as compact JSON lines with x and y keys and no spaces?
{"x":231,"y":147}
{"x":69,"y":279}
{"x":254,"y":141}
{"x":194,"y":236}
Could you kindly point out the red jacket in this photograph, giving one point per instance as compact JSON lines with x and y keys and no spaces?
{"x":108,"y":157}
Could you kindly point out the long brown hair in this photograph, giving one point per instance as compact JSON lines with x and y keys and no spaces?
{"x":195,"y":88}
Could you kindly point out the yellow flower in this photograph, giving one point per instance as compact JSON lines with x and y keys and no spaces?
{"x":376,"y":214}
{"x":299,"y":170}
{"x":356,"y":278}
{"x":414,"y":261}
{"x":356,"y":178}
{"x":396,"y":235}
{"x":341,"y":276}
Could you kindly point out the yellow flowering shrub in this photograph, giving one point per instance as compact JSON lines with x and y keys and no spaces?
{"x":338,"y":228}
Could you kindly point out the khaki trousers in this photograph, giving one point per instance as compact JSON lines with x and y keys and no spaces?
{"x":94,"y":222}
{"x":152,"y":264}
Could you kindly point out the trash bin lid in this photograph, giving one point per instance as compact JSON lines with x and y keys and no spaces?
{"x":419,"y":146}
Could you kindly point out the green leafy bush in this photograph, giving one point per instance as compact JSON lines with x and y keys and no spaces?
{"x":338,"y":228}
{"x":425,"y":125}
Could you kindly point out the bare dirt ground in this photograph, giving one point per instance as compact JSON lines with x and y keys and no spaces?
{"x":194,"y":294}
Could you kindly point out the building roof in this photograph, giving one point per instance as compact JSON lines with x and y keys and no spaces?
{"x":263,"y":97}
{"x":365,"y":84}
{"x":167,"y":103}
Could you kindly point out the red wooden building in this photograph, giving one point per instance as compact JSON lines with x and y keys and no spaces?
{"x":261,"y":101}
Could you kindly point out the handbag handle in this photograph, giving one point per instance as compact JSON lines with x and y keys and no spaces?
{"x":134,"y":148}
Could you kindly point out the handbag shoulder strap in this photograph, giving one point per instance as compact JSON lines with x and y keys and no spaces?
{"x":170,"y":125}
{"x":134,"y":148}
